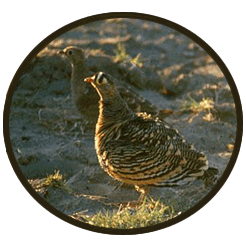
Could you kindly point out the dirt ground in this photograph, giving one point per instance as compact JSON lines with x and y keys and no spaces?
{"x":172,"y":72}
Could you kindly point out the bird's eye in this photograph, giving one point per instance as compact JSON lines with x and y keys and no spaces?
{"x":101,"y":79}
{"x":70,"y":52}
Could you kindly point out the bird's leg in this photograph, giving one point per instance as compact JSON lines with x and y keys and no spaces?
{"x":118,"y":186}
{"x":144,"y":190}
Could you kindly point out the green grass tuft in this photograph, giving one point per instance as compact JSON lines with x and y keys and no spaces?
{"x":196,"y":107}
{"x":55,"y":180}
{"x":147,"y":214}
{"x":137,"y":61}
{"x":120,"y":53}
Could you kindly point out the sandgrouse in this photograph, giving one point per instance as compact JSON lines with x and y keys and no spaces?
{"x":85,"y":97}
{"x":138,"y":149}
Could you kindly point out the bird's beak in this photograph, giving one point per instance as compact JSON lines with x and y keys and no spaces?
{"x":60,"y":52}
{"x":90,"y":79}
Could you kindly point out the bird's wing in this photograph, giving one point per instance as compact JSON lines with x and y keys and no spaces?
{"x":150,"y":132}
{"x":153,"y":153}
{"x":136,"y":102}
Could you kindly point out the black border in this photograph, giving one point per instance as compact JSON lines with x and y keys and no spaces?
{"x":131,"y":15}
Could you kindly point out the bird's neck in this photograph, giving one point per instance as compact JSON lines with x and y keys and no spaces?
{"x":78,"y":70}
{"x":78,"y":86}
{"x":114,"y":110}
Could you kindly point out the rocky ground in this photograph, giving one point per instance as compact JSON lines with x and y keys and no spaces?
{"x":165,"y":67}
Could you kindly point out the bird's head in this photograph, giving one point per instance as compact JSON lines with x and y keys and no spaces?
{"x":74,"y":54}
{"x":104,"y":84}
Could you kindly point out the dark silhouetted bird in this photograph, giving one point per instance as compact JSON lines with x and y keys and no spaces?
{"x":85,"y":97}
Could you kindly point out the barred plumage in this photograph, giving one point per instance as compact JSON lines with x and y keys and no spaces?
{"x":138,"y":149}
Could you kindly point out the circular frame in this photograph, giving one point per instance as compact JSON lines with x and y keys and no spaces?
{"x":146,"y":17}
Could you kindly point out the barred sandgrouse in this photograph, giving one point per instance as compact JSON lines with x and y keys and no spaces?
{"x":139,"y":149}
